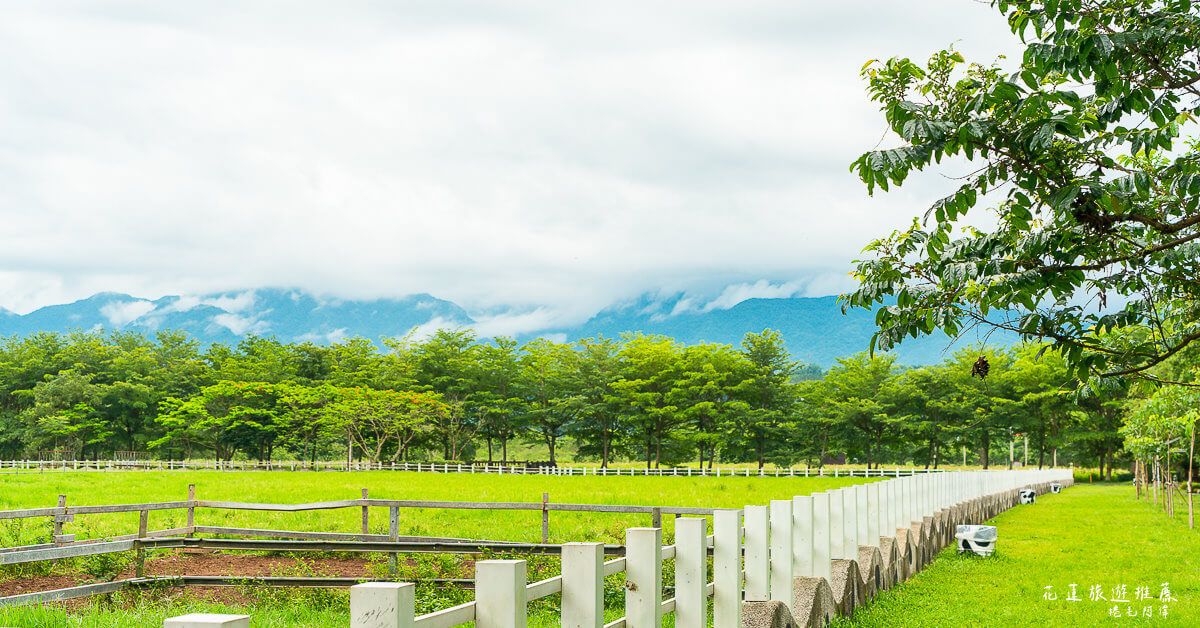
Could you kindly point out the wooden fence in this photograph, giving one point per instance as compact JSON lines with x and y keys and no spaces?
{"x":837,"y":547}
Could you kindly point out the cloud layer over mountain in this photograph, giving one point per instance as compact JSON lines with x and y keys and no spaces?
{"x":554,"y":156}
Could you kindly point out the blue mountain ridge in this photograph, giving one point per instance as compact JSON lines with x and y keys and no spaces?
{"x":814,"y":329}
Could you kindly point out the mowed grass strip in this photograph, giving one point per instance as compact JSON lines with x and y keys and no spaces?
{"x":35,"y":490}
{"x":1088,"y":535}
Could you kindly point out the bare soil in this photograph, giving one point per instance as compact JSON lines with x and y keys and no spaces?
{"x":200,"y":563}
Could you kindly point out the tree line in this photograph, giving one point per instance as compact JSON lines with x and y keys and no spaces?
{"x":454,"y":396}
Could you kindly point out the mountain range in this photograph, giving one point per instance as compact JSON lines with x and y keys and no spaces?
{"x":814,"y":328}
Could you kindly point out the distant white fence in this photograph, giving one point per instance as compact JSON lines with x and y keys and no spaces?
{"x":432,"y":467}
{"x":760,"y":554}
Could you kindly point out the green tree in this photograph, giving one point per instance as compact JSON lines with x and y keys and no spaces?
{"x":598,"y":428}
{"x":650,"y":367}
{"x":767,"y":392}
{"x":1095,"y":210}
{"x":552,"y":395}
{"x":64,"y":414}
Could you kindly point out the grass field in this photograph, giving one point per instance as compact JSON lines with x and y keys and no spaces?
{"x":320,"y":609}
{"x":1088,"y":535}
{"x":41,"y":490}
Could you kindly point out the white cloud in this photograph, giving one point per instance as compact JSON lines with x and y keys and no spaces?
{"x":241,"y":325}
{"x":425,"y":330}
{"x":530,"y":153}
{"x":241,"y":302}
{"x":512,"y":324}
{"x":331,"y":337}
{"x":125,"y":312}
{"x":761,"y":289}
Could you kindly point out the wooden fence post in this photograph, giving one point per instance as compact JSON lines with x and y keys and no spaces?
{"x":545,"y":517}
{"x":656,"y":517}
{"x":727,"y":568}
{"x":143,"y":528}
{"x":191,"y":511}
{"x":583,"y":585}
{"x":393,"y":536}
{"x":643,"y":578}
{"x":366,"y":515}
{"x":691,"y":572}
{"x":757,"y":554}
{"x":782,"y":571}
{"x":500,"y":594}
{"x":58,"y":525}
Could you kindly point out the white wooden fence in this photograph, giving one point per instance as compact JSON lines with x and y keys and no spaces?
{"x":434,"y":467}
{"x":757,"y":552}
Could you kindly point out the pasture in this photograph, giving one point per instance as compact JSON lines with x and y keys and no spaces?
{"x":1089,"y":535}
{"x":34,"y":490}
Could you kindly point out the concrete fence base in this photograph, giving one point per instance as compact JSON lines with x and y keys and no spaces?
{"x":870,"y":569}
{"x":772,"y":614}
{"x":812,"y":601}
{"x":816,"y":601}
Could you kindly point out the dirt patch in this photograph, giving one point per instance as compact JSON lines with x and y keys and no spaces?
{"x":200,"y":563}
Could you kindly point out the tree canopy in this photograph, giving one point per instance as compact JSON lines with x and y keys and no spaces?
{"x":1077,"y":151}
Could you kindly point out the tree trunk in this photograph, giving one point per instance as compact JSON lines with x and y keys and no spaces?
{"x":1191,"y":456}
{"x":604,"y":450}
{"x":658,"y":450}
{"x":489,"y":441}
{"x":551,"y":441}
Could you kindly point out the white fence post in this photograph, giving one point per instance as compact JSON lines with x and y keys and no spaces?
{"x":757,"y":562}
{"x":849,"y":524}
{"x":727,"y":568}
{"x":837,"y":535}
{"x":822,"y":568}
{"x":897,"y":499}
{"x":802,"y":536}
{"x":583,"y":585}
{"x":863,"y":514}
{"x":874,"y":513}
{"x":782,"y":572}
{"x":691,"y":572}
{"x":382,"y":605}
{"x":643,"y":578}
{"x":500,"y":594}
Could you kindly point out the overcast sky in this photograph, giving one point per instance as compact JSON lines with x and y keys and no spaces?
{"x":550,"y":154}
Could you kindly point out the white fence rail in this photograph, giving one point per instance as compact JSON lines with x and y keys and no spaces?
{"x":775,"y":544}
{"x":758,"y":552}
{"x":434,"y":467}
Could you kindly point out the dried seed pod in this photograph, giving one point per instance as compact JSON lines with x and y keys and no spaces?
{"x":980,"y":367}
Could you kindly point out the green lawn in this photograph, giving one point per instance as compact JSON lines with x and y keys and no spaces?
{"x":32,"y":490}
{"x":319,"y":609}
{"x":1088,"y":535}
